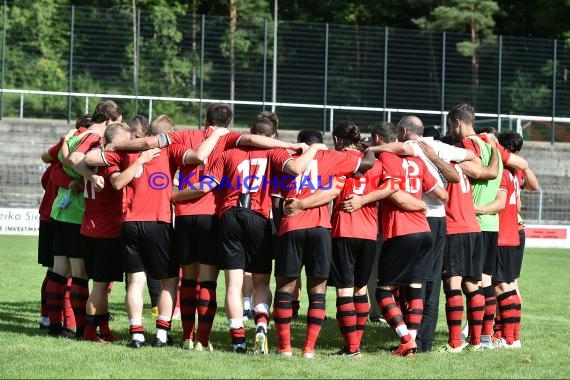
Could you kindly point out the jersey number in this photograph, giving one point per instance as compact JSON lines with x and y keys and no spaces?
{"x":252,"y":183}
{"x":413,"y":180}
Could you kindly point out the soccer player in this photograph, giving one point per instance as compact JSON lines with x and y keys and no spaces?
{"x":353,"y":236}
{"x":304,"y":240}
{"x":68,"y":210}
{"x":245,"y":229}
{"x":53,"y":178}
{"x":404,"y":257}
{"x":485,"y":186}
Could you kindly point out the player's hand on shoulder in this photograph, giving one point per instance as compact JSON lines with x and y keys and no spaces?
{"x":98,"y":182}
{"x":292,"y":206}
{"x":149,"y":155}
{"x":75,"y":186}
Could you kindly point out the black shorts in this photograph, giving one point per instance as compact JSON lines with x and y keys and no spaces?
{"x":67,"y":240}
{"x":103,"y":258}
{"x":310,"y":247}
{"x":507,"y":264}
{"x":489,"y":249}
{"x":462,"y":256}
{"x":522,"y":238}
{"x":245,"y":241}
{"x":404,"y":259}
{"x":147,"y":247}
{"x":45,"y":244}
{"x":195,"y":238}
{"x":352,"y":261}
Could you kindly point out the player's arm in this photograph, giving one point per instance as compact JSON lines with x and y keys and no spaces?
{"x":367,"y":162}
{"x":120,"y":180}
{"x":476,"y":170}
{"x":494,"y":206}
{"x":395,"y":147}
{"x":141,"y":143}
{"x":195,"y":190}
{"x":440,"y":194}
{"x":318,"y":198}
{"x":264,"y":142}
{"x":407,"y":202}
{"x":530,"y":180}
{"x":199,"y":155}
{"x":355,"y":202}
{"x":444,"y":168}
{"x":297,"y":166}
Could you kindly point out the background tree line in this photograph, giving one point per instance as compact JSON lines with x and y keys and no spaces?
{"x":152,"y":47}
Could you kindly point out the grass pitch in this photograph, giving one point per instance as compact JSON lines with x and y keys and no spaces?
{"x":27,"y":352}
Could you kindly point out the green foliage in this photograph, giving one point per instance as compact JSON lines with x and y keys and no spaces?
{"x":525,"y":94}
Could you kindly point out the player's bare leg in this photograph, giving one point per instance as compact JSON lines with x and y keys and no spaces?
{"x":134,"y":302}
{"x":234,"y":308}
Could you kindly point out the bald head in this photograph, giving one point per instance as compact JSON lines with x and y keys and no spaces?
{"x":410,"y":128}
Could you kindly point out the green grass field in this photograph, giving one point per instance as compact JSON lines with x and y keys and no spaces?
{"x":27,"y":352}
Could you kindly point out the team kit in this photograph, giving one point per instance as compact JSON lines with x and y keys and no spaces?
{"x":142,"y":203}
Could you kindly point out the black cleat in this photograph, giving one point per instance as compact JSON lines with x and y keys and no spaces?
{"x":158,"y":343}
{"x":136,"y":344}
{"x":345,"y":352}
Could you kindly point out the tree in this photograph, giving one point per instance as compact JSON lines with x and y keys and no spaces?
{"x":474,"y":16}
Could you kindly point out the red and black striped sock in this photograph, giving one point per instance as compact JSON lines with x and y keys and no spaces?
{"x":207,"y":307}
{"x":346,"y":320}
{"x":55,"y":291}
{"x":508,"y":311}
{"x":188,"y":302}
{"x":67,"y":313}
{"x":490,"y":310}
{"x":238,"y":335}
{"x":518,"y":317}
{"x":392,"y":314}
{"x":78,"y":298}
{"x":104,"y":329}
{"x":44,"y":307}
{"x":415,"y":309}
{"x":315,"y":319}
{"x":362,"y":307}
{"x":90,"y":331}
{"x":497,"y":326}
{"x":282,"y":315}
{"x":261,"y":317}
{"x":454,"y":315}
{"x":475,"y":313}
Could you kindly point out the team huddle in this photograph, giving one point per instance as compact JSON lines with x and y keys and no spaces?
{"x":144,"y":201}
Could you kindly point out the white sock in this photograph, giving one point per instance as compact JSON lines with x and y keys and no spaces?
{"x":402,"y":330}
{"x":413,"y":333}
{"x":235,"y":323}
{"x":246,"y":303}
{"x":136,"y":322}
{"x":162,"y":334}
{"x":262,"y":308}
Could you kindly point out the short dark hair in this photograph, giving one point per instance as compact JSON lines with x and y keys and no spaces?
{"x":448,"y":139}
{"x":310,"y":136}
{"x":219,"y":115}
{"x":112,"y":129}
{"x":105,"y":111}
{"x":84,"y":121}
{"x":464,"y":112}
{"x":489,"y":129}
{"x":386,"y":131}
{"x":348,"y":133}
{"x":141,"y":122}
{"x":265,"y":123}
{"x":511,"y":140}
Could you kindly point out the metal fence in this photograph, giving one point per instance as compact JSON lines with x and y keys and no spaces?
{"x":325,"y":72}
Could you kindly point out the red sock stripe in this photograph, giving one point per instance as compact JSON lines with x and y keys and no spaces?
{"x":362,"y":307}
{"x":454,"y":315}
{"x":415,"y":307}
{"x":282,"y":314}
{"x":475,"y":314}
{"x":78,"y":297}
{"x":188,"y":302}
{"x":315,"y":318}
{"x":346,"y":320}
{"x":163,"y":325}
{"x":206,"y":307}
{"x":261,"y":317}
{"x":55,"y":292}
{"x":237,"y":335}
{"x":136,"y":329}
{"x":490,"y":310}
{"x":390,"y":310}
{"x":508,"y":311}
{"x":517,"y":329}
